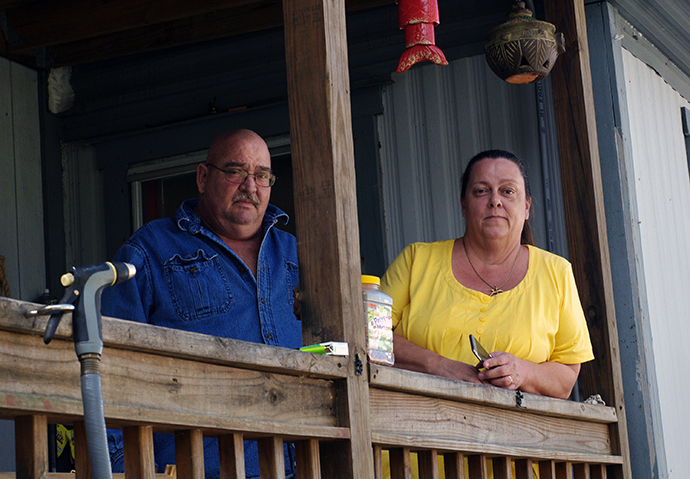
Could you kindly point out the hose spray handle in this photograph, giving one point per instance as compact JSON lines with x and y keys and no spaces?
{"x":84,"y":287}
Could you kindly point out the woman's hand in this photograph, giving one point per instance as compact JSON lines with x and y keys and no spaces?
{"x":507,"y":371}
{"x":454,"y":369}
{"x":415,"y":358}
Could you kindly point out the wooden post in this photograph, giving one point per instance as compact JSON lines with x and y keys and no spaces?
{"x":503,"y":468}
{"x":138,"y":445}
{"x":189,"y":454}
{"x":564,"y":470}
{"x":326,"y":211}
{"x":378,"y":462}
{"x":597,"y":471}
{"x":400,"y":463}
{"x":476,"y":465}
{"x":523,"y":469}
{"x":454,"y":465}
{"x":581,"y":471}
{"x":31,"y":446}
{"x":82,"y":460}
{"x":584,"y":209}
{"x":547,"y":470}
{"x":231,"y":451}
{"x":271,"y":458}
{"x":427,"y":461}
{"x":307,"y":458}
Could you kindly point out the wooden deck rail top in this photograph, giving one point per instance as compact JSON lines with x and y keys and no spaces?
{"x":174,"y":381}
{"x":168,"y":378}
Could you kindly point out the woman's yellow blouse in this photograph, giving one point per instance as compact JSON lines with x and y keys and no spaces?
{"x":539,"y":320}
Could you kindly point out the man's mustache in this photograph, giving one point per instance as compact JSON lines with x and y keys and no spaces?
{"x":246,"y":196}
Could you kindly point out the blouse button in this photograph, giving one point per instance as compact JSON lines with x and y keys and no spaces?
{"x":480,"y":331}
{"x":482,"y":319}
{"x":483,"y":309}
{"x":486,"y":299}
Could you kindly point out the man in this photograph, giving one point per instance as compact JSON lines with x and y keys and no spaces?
{"x":218,"y":267}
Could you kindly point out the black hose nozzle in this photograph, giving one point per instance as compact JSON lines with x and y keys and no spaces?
{"x":84,"y":287}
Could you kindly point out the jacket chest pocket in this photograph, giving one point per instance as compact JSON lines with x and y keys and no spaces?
{"x":291,"y":280}
{"x":198,"y":286}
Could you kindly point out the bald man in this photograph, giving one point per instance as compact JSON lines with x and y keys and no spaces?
{"x":218,"y":267}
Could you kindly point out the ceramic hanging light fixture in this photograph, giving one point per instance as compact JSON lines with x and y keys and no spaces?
{"x":523,"y":50}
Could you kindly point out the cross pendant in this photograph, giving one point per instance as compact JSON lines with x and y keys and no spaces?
{"x":495,"y":290}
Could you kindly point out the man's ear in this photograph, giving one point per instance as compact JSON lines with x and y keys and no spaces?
{"x":201,"y":175}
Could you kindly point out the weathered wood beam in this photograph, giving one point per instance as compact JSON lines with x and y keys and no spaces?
{"x":77,"y":34}
{"x":326,"y":209}
{"x":584,"y":208}
{"x":198,"y":395}
{"x":145,"y":338}
{"x":208,"y":26}
{"x":435,"y":423}
{"x":52,"y":23}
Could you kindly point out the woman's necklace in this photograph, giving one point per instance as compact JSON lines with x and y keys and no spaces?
{"x":494,"y":289}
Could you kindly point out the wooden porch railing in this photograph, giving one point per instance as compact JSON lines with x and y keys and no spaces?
{"x":161,"y":380}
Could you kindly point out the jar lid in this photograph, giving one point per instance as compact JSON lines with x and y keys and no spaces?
{"x":366,"y":279}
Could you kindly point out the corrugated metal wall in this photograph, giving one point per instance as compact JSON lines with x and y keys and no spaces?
{"x":21,"y":194}
{"x":662,"y":185}
{"x":21,"y":200}
{"x":435,"y":119}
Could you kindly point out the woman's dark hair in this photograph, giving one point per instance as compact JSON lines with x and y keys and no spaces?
{"x":526,"y":237}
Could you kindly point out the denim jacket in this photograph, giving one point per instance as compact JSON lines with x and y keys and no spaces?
{"x":187,"y":278}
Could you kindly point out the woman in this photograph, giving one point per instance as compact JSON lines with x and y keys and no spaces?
{"x":519,"y":301}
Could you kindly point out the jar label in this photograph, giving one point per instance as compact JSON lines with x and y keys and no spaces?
{"x":379,"y":327}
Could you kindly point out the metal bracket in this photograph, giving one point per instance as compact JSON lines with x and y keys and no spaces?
{"x":518,"y":398}
{"x":359,"y":367}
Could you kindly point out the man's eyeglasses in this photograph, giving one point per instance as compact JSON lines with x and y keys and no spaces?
{"x":239,"y":176}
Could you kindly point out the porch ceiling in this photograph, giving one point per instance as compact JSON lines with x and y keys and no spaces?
{"x":41,"y":33}
{"x":48,"y":33}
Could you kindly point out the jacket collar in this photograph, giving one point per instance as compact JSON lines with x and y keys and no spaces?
{"x":187,"y":220}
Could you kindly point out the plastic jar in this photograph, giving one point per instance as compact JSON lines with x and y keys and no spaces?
{"x":378,"y":314}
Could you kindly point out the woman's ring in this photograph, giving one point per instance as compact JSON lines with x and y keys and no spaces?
{"x":511,"y":379}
